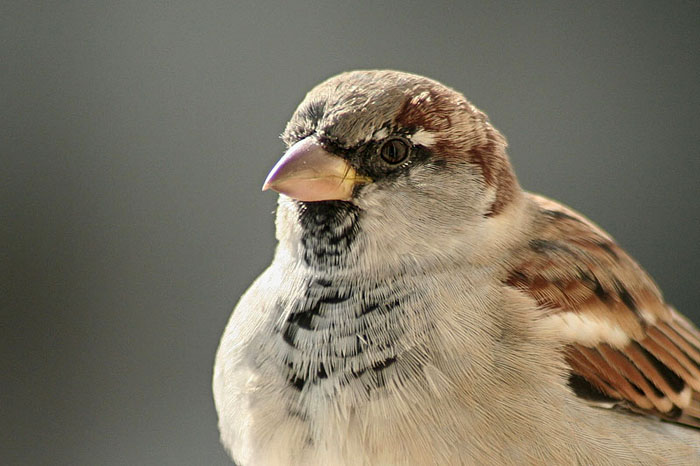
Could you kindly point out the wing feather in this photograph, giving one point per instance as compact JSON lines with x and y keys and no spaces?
{"x":625,"y":346}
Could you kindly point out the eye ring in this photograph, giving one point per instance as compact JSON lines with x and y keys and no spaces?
{"x":394,"y":151}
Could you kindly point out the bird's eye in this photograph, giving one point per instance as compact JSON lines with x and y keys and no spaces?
{"x":394,"y":151}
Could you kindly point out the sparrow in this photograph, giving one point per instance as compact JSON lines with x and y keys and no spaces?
{"x":423,"y":309}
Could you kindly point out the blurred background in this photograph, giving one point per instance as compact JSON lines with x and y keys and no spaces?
{"x":135,"y":136}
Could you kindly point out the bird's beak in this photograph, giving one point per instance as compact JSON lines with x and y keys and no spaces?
{"x":307,"y":172}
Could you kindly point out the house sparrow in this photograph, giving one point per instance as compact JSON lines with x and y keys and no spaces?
{"x":421,"y":308}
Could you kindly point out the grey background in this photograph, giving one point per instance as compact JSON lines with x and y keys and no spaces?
{"x":135,"y":137}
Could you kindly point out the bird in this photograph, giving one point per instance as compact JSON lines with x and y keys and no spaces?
{"x":422,"y":308}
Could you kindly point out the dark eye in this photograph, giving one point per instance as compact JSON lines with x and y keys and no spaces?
{"x":394,"y":151}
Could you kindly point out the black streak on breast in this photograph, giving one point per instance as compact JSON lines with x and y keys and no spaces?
{"x":330,"y":229}
{"x":309,"y":311}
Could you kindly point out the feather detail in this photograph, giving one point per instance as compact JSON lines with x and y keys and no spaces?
{"x":624,"y":345}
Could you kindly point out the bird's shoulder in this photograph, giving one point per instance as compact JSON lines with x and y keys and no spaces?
{"x":625,"y":346}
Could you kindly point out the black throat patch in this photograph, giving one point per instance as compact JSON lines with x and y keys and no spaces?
{"x":330,"y":228}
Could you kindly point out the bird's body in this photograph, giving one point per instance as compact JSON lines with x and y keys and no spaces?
{"x":411,"y":320}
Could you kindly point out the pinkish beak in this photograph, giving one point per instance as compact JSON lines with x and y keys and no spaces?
{"x":307,"y":172}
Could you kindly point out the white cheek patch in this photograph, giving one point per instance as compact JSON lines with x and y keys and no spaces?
{"x":423,"y":138}
{"x":587,"y":330}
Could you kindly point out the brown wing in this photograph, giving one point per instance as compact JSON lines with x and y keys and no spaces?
{"x":627,"y":347}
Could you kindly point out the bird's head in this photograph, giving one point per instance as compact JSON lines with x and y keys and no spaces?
{"x":399,"y":156}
